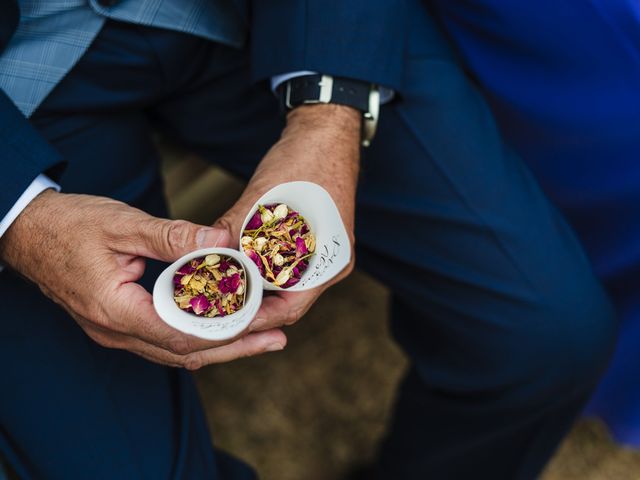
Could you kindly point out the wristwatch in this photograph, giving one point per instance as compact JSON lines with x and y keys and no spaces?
{"x":316,"y":88}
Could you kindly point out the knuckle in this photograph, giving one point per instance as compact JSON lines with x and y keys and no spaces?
{"x":293,"y":315}
{"x":250,"y":353}
{"x":193,"y":362}
{"x":178,"y":234}
{"x":179,"y":346}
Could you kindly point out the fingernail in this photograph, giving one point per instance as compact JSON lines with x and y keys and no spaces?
{"x":274,"y":347}
{"x":210,"y":237}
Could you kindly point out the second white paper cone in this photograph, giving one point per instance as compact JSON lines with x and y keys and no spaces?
{"x":333,"y":249}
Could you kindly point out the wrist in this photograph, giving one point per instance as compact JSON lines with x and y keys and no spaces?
{"x":331,"y":121}
{"x":24,"y":229}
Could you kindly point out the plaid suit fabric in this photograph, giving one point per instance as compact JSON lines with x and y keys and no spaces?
{"x":53,"y":34}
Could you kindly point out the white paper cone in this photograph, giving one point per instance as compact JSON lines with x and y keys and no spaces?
{"x":216,"y":328}
{"x":333,"y":249}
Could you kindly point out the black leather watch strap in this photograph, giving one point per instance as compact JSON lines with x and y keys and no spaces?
{"x":310,"y":89}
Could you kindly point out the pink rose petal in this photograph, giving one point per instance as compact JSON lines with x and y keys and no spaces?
{"x":229,"y":284}
{"x":291,"y":282}
{"x":200,"y":304}
{"x":255,"y":222}
{"x":256,"y":259}
{"x":301,"y":248}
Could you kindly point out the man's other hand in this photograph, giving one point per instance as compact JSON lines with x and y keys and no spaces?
{"x":320,"y":144}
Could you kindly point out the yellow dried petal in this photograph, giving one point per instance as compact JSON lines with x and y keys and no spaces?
{"x":268,"y":271}
{"x":198,"y":283}
{"x":183,"y":301}
{"x":217,"y":275}
{"x":310,"y":242}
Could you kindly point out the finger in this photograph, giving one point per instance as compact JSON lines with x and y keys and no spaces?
{"x":168,"y":240}
{"x":135,"y":316}
{"x":283,"y":308}
{"x":248,"y":346}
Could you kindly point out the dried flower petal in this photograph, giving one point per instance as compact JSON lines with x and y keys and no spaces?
{"x":281,"y":246}
{"x":259,"y":244}
{"x":256,"y":259}
{"x":283,"y":277}
{"x":301,"y":247}
{"x":212,"y":259}
{"x":186,"y":269}
{"x":281,"y":211}
{"x":200,"y":304}
{"x":278,"y":260}
{"x":266,"y":216}
{"x":310,"y":242}
{"x":255,"y":222}
{"x":229,"y":284}
{"x":197,"y":283}
{"x":291,"y":282}
{"x":210,"y":286}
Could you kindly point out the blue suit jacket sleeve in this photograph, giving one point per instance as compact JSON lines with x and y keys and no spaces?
{"x":24,"y":152}
{"x":362,"y":39}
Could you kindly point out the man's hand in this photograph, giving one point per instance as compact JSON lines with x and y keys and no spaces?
{"x":320,"y":144}
{"x":86,"y":253}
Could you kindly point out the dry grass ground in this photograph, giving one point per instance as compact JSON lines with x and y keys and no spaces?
{"x":319,"y":407}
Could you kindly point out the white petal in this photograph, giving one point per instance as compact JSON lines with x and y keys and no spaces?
{"x":212,"y":259}
{"x":283,"y":277}
{"x":281,"y":211}
{"x":266,"y":216}
{"x":278,"y":260}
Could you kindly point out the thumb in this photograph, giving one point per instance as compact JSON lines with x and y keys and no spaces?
{"x":168,"y":240}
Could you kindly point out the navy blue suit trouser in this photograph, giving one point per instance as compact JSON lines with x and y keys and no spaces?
{"x":493,"y":299}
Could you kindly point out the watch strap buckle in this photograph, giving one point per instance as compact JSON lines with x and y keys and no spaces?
{"x":325,"y":92}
